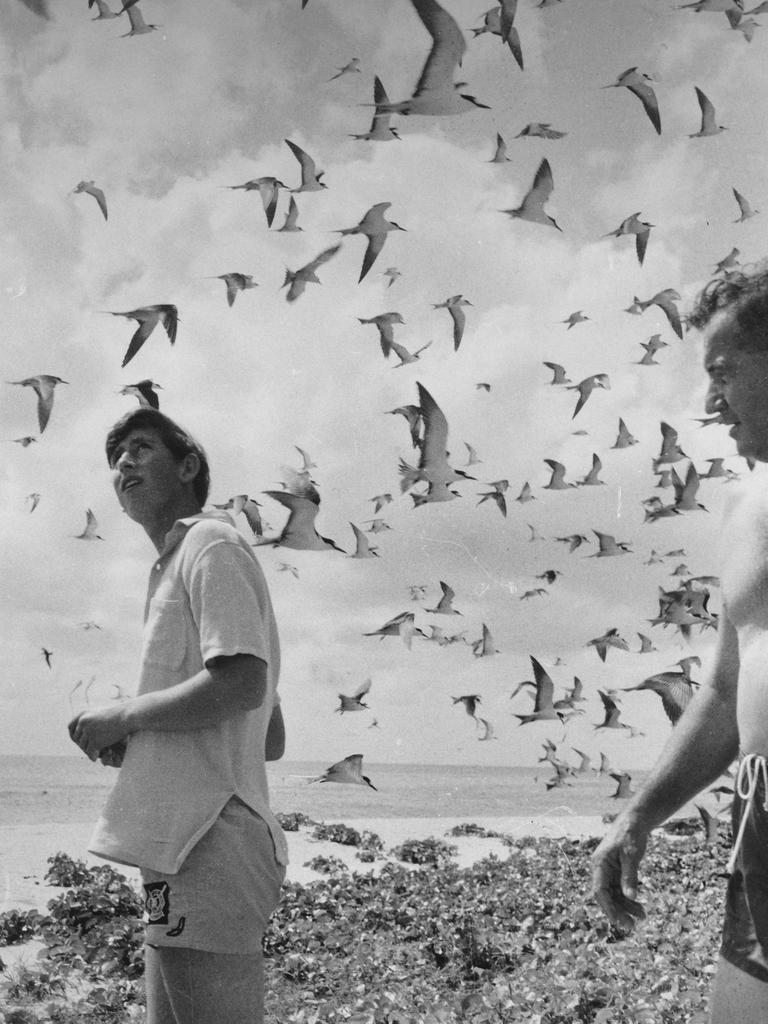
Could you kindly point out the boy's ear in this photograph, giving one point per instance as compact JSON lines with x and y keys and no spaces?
{"x":189,"y":467}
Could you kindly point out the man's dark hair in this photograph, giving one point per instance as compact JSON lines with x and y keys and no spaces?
{"x":178,"y":442}
{"x":743,"y":294}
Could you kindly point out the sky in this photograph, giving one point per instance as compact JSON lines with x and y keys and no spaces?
{"x":166,"y":123}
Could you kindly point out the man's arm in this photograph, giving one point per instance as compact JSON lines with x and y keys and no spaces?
{"x":274,"y":744}
{"x":702,"y":745}
{"x":228,"y":686}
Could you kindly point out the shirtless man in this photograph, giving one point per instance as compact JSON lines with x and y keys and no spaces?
{"x":729,"y":716}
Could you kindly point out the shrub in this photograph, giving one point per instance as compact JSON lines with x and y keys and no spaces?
{"x":326,"y":865}
{"x":425,"y":851}
{"x":337,"y":834}
{"x":290,"y":822}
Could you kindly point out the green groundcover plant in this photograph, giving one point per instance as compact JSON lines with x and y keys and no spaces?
{"x":421,"y":942}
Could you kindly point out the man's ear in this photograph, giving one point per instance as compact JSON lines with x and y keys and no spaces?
{"x":189,"y":467}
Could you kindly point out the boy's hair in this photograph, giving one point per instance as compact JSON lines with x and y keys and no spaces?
{"x":744,"y":295}
{"x":178,"y":442}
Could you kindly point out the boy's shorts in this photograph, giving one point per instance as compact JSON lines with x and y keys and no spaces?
{"x":226,"y":889}
{"x":745,"y":931}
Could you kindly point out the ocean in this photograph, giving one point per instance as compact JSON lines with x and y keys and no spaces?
{"x":72,"y":789}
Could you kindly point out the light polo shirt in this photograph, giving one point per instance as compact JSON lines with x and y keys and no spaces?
{"x":207,"y":597}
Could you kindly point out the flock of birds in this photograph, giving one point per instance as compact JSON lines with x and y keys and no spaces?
{"x":431,"y":475}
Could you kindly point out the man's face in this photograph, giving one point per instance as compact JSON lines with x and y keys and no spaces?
{"x":738,"y":387}
{"x":146,"y":475}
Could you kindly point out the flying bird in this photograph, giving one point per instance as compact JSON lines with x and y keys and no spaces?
{"x":91,"y":526}
{"x":436,"y":93}
{"x":532,"y":206}
{"x":497,"y":495}
{"x":104,"y":10}
{"x":708,"y":123}
{"x":558,"y":373}
{"x":354,"y":702}
{"x":445,"y":604}
{"x":433,"y":467}
{"x":586,"y":387}
{"x":624,"y":438}
{"x":47,"y":655}
{"x":405,"y":356}
{"x":651,"y":347}
{"x":297,"y":280}
{"x":136,"y":18}
{"x":540,"y":130}
{"x":145,"y":392}
{"x":375,"y":227}
{"x":575,"y":318}
{"x":484,"y":647}
{"x":623,"y":789}
{"x":574,"y":541}
{"x":543,"y":706}
{"x":350,"y":770}
{"x":637,"y":83}
{"x":299,"y":531}
{"x":666,"y":300}
{"x":93,"y":190}
{"x":268,"y":188}
{"x":670,"y":449}
{"x":612,"y":715}
{"x":385,"y":323}
{"x":557,"y":479}
{"x":611,"y":638}
{"x":525,"y":494}
{"x":148,"y":317}
{"x":470,"y":702}
{"x":310,"y":176}
{"x":34,"y":501}
{"x":592,"y":477}
{"x":392,"y":274}
{"x":291,"y":217}
{"x":363,"y":549}
{"x":236,"y":283}
{"x":674,"y":688}
{"x":500,"y":153}
{"x":609,"y":545}
{"x":380,"y":130}
{"x":402,"y":625}
{"x":745,"y":208}
{"x":351,"y":66}
{"x":453,"y":305}
{"x":641,"y":229}
{"x":43,"y":385}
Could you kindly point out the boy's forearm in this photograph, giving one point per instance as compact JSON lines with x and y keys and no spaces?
{"x":203,"y":700}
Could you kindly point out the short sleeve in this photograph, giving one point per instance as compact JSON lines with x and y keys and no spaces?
{"x":229,"y":602}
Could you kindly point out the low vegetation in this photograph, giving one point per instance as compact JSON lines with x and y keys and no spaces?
{"x":422,"y":942}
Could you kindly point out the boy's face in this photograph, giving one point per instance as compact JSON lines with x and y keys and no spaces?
{"x":147,"y":477}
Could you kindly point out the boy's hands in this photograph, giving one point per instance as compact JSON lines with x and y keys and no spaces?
{"x":98,"y":729}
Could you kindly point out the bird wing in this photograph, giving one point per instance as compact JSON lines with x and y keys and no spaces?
{"x":146,"y":325}
{"x":459,"y":320}
{"x":545,"y":688}
{"x":448,"y":48}
{"x":322,"y":258}
{"x":308,"y":167}
{"x":362,"y":690}
{"x":98,"y":195}
{"x":372,"y":250}
{"x":540,"y":190}
{"x":299,"y":532}
{"x":435,"y":440}
{"x":269,"y":193}
{"x":585,"y":389}
{"x":647,"y":97}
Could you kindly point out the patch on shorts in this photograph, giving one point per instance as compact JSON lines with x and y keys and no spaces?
{"x":157,"y":902}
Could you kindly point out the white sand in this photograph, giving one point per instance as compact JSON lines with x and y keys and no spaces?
{"x":24,"y":852}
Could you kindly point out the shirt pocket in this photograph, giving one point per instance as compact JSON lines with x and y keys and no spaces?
{"x":164,"y":634}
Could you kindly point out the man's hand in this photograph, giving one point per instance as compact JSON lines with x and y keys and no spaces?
{"x":97,"y":729}
{"x":614,"y":875}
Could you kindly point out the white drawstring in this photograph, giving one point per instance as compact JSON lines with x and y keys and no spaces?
{"x":752,"y":766}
